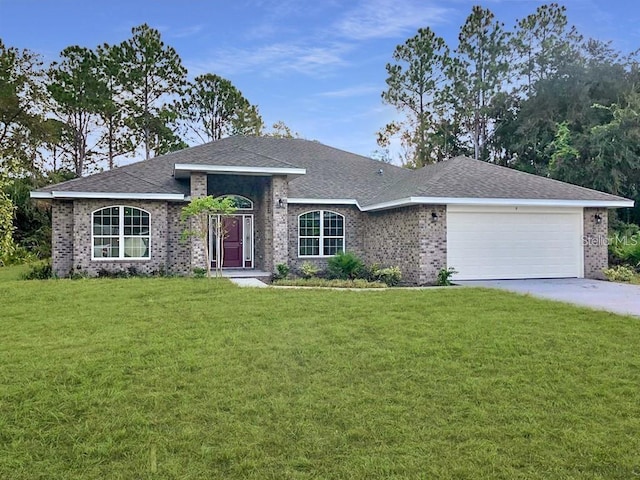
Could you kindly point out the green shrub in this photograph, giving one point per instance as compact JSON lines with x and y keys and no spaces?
{"x":39,"y":271}
{"x":282,"y":271}
{"x":620,"y":273}
{"x":625,"y":248}
{"x":346,"y":266}
{"x":309,"y":270}
{"x":199,"y":272}
{"x":18,"y":256}
{"x":444,"y":276}
{"x":390,"y":275}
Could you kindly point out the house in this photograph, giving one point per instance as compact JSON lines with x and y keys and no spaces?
{"x":300,"y":200}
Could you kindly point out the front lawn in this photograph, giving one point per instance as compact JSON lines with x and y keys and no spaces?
{"x":195,"y":379}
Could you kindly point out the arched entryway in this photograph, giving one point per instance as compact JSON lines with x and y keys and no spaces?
{"x":237,"y":245}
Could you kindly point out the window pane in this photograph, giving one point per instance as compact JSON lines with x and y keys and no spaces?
{"x":241,"y":202}
{"x":134,"y":218}
{"x":309,"y":246}
{"x":136,"y":247}
{"x":106,"y":247}
{"x":333,"y":224}
{"x":332,"y":246}
{"x":309,"y":225}
{"x":105,"y":221}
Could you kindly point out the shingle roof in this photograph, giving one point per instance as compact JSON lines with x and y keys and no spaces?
{"x":333,"y":174}
{"x":462,"y":177}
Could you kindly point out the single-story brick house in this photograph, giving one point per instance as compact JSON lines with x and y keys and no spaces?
{"x":300,"y":200}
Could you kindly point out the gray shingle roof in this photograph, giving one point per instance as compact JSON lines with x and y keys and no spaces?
{"x":333,"y":174}
{"x":462,"y":177}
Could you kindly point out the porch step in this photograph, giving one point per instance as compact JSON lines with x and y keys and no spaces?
{"x":245,"y":273}
{"x":248,"y":282}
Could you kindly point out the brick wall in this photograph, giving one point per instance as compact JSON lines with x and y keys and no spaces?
{"x":408,"y":238}
{"x":353,"y":219}
{"x":159,"y":237}
{"x":433,"y":242}
{"x":62,"y":237}
{"x":198,"y":187}
{"x":594,"y":241}
{"x":178,"y":251}
{"x":279,"y":208}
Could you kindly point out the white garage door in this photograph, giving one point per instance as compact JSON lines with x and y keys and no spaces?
{"x":514,"y":242}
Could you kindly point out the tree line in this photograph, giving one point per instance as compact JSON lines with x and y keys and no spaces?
{"x":538,"y":97}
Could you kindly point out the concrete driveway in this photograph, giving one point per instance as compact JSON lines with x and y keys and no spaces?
{"x":613,"y":297}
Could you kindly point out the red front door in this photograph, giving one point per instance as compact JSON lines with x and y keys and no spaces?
{"x":233,"y":242}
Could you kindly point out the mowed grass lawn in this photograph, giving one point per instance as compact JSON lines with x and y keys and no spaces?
{"x":198,"y":379}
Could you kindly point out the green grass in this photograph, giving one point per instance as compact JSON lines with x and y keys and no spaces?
{"x":13,"y":272}
{"x":187,"y":378}
{"x":333,"y":283}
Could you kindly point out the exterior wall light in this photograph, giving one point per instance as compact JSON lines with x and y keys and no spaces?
{"x":434,"y":217}
{"x":598,"y":218}
{"x":280,"y":203}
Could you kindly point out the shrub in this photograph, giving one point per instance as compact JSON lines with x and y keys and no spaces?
{"x":390,"y":275}
{"x":18,"y":256}
{"x":309,"y":270}
{"x":282,"y":271}
{"x":39,"y":271}
{"x":346,"y":265}
{"x":199,"y":272}
{"x":444,"y":276}
{"x":620,"y":273}
{"x":625,"y":248}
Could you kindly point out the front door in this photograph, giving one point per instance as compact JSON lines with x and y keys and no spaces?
{"x":232,"y":252}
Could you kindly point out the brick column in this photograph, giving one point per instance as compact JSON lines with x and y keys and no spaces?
{"x":62,"y":237}
{"x":432,"y":232}
{"x":198,"y":189}
{"x":278,"y":218}
{"x":594,"y":241}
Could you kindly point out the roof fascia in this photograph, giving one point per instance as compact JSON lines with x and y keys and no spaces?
{"x":517,"y":202}
{"x":183,"y":170}
{"x":108,"y":195}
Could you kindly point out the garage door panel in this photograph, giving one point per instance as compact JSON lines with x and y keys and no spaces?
{"x":510,"y":243}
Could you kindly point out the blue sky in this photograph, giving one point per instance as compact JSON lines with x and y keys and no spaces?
{"x":318,"y":66}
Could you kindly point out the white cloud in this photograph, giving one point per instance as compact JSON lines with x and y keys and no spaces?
{"x":275,"y":59}
{"x":356,"y":91}
{"x":388,"y":18}
{"x":186,"y":31}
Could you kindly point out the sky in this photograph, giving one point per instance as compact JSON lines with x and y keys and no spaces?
{"x":319,"y":66}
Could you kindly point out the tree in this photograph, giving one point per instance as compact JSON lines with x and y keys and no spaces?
{"x":151,"y":74}
{"x":199,"y":212}
{"x":247,"y":122}
{"x":116,"y":138}
{"x":543,"y":45}
{"x":20,"y":126}
{"x":21,"y":108}
{"x":414,"y":85}
{"x":214,"y":108}
{"x":478,"y":74}
{"x":281,"y":130}
{"x":78,"y":96}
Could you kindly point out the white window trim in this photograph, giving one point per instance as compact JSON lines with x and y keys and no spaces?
{"x":121,"y":236}
{"x":322,"y":236}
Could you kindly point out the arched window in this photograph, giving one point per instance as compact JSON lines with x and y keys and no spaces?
{"x":320,"y":234}
{"x":240,"y":202}
{"x":120,"y":232}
